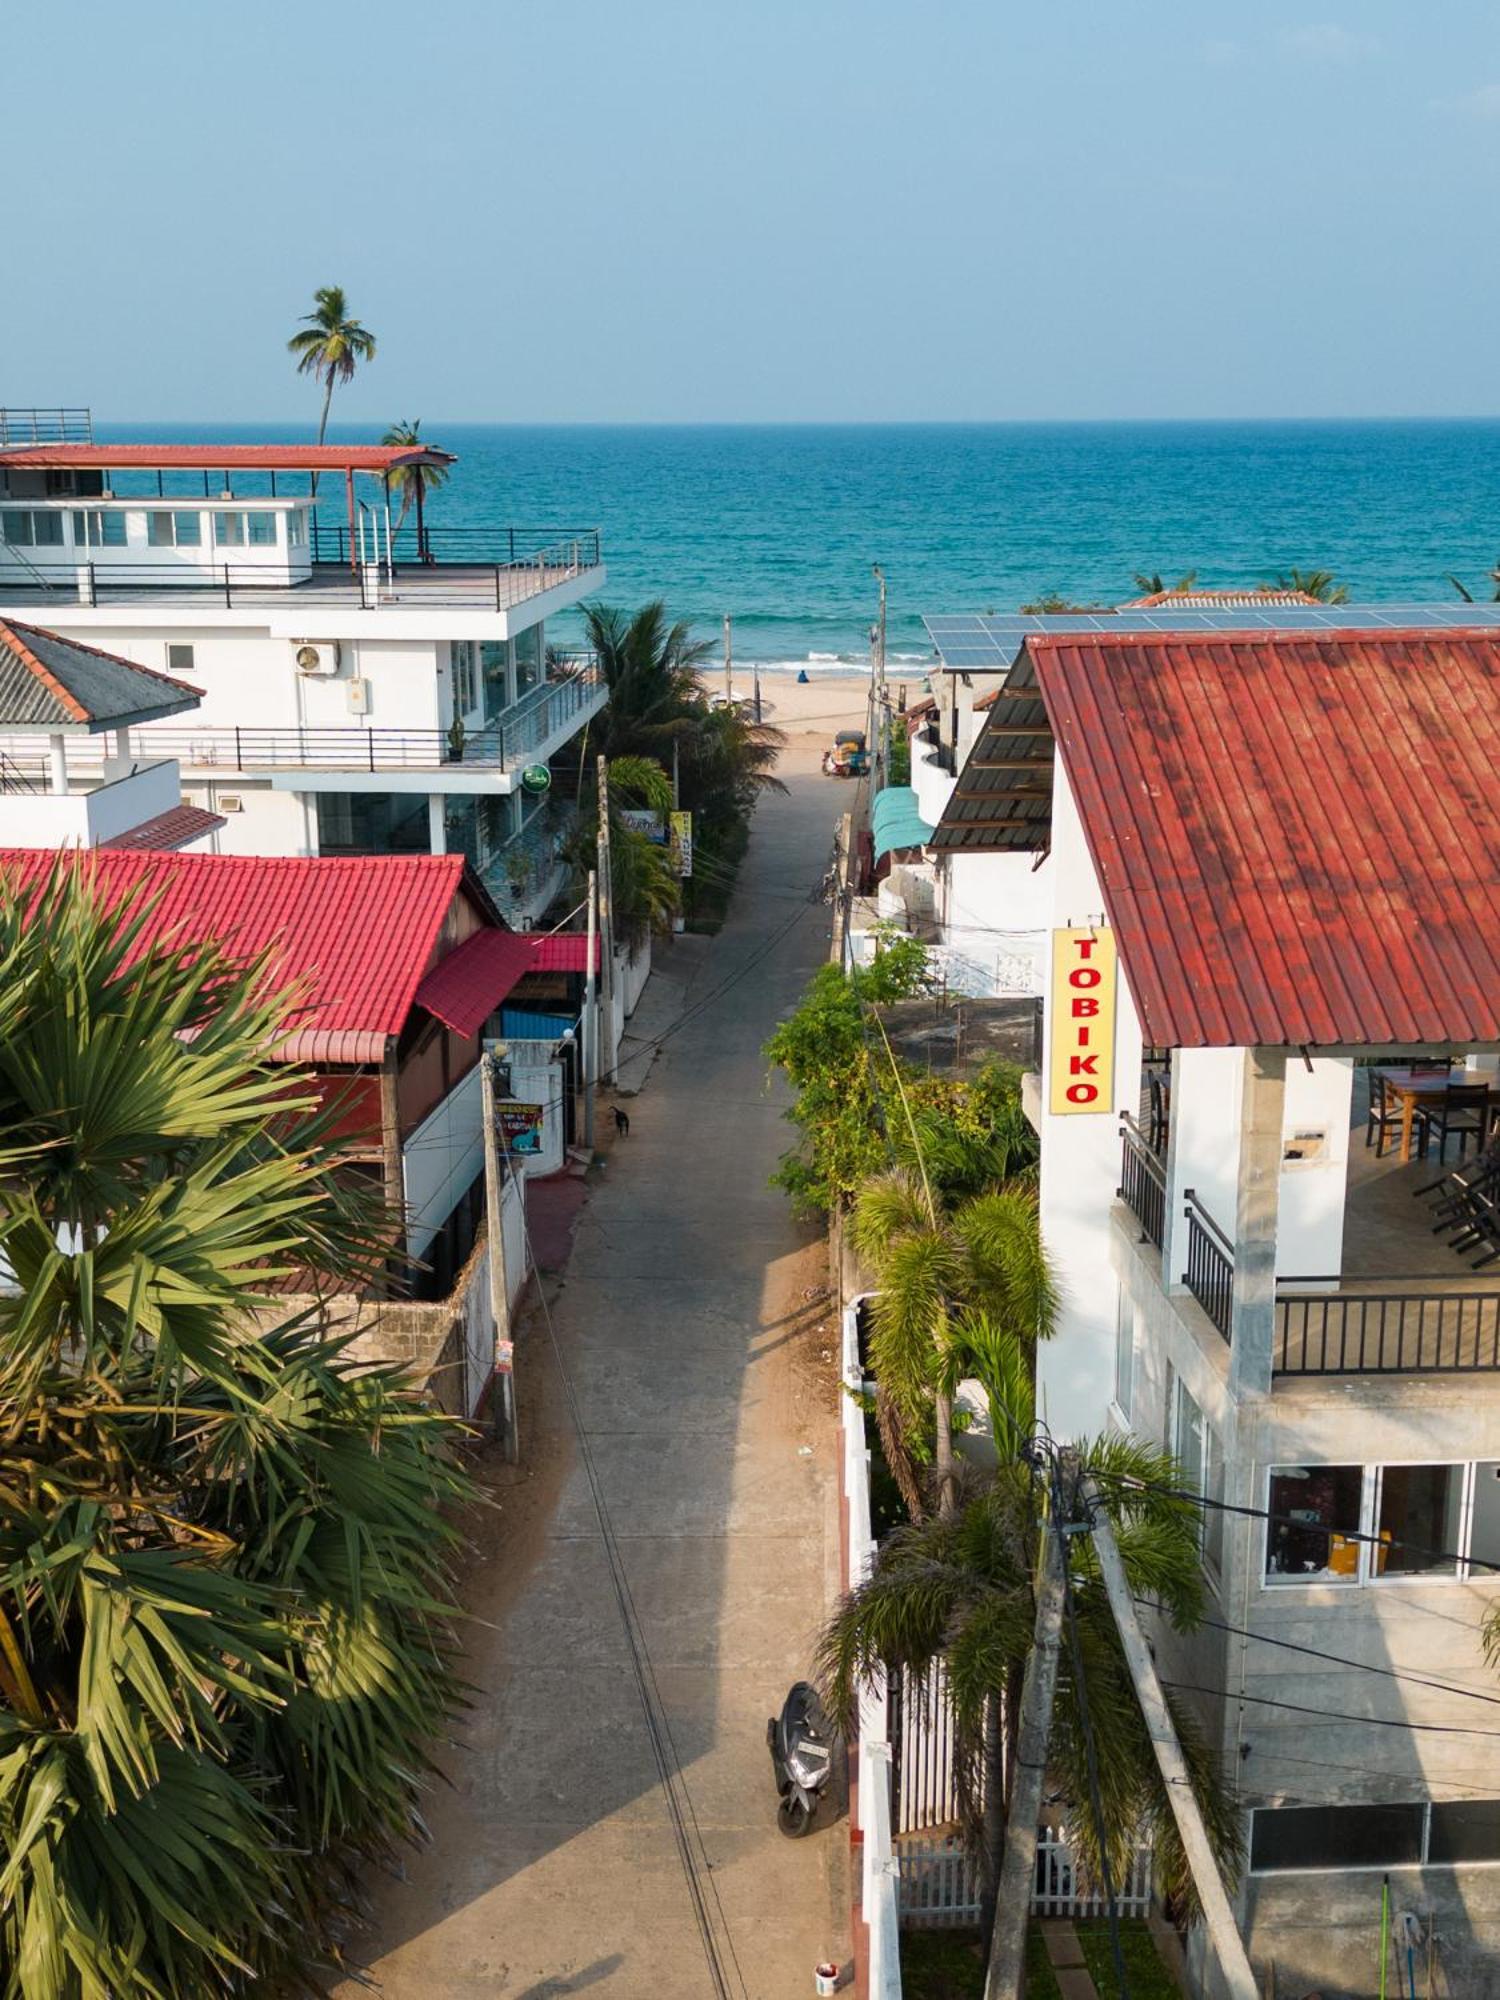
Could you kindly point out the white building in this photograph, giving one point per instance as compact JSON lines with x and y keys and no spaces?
{"x":365,"y":689}
{"x":1268,"y":866}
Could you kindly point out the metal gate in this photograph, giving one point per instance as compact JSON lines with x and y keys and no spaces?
{"x":924,"y":1791}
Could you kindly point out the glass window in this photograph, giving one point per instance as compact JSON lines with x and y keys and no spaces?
{"x":1124,"y":1354}
{"x":372,"y":823}
{"x":179,"y":659}
{"x":188,"y":529}
{"x":1418,"y":1519}
{"x":262,"y":530}
{"x":95,"y":528}
{"x":47,"y":530}
{"x":1314,"y":1526}
{"x":1484,"y":1519}
{"x":174,"y":530}
{"x":1363,"y":1836}
{"x":16,"y":528}
{"x":1196,"y":1450}
{"x":1464,"y":1830}
{"x":229,"y":530}
{"x":528,"y":658}
{"x":296,"y":528}
{"x":465,"y":689}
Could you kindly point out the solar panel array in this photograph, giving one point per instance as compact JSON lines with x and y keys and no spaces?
{"x":987,"y":642}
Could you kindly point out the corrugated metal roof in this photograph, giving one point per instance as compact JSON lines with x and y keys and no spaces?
{"x":223,"y":457}
{"x":1003,"y":797}
{"x":895,"y":821}
{"x":1297,"y":836}
{"x":48,"y":682}
{"x":167,"y":830}
{"x":1218,"y":600}
{"x":469,"y":984}
{"x":358,"y":933}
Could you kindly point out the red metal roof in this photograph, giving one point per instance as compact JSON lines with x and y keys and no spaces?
{"x":471,"y":982}
{"x":167,"y":830}
{"x":224,"y":457}
{"x":359,"y":932}
{"x":1297,"y":836}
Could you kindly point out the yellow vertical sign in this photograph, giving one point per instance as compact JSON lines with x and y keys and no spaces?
{"x":1082,"y":1007}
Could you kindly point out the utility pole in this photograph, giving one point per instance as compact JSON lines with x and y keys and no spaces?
{"x":1223,"y":1933}
{"x":877,"y":681}
{"x":505,"y":1378}
{"x":591,"y":1013}
{"x":676,"y":787}
{"x":728,"y":665}
{"x":757,"y":692}
{"x":1018,"y":1863}
{"x":606,"y":901}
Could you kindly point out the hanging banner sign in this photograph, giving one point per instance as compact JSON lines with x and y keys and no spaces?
{"x":1082,"y":1009}
{"x":682,"y":843}
{"x":505,"y":1357}
{"x":521,"y":1127}
{"x":641,"y":819}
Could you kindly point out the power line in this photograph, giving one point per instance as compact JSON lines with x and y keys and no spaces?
{"x":1333,"y":1714}
{"x":1369,"y":1771}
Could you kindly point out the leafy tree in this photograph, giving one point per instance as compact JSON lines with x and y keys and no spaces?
{"x":330,"y":347}
{"x":414,"y":482}
{"x":1467,"y":595}
{"x":941,"y":1267}
{"x":644,"y":887}
{"x":1318,"y":583}
{"x":223,"y":1597}
{"x":956,"y":1592}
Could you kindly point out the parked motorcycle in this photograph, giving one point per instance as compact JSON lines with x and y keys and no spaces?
{"x":800,"y":1741}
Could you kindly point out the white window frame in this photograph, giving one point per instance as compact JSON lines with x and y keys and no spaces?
{"x":1367,"y":1569}
{"x":1124,"y":1314}
{"x":1213,"y":1456}
{"x":174,"y":514}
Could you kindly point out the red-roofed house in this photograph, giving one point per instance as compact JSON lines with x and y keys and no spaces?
{"x":403,"y":966}
{"x":1266,"y":865}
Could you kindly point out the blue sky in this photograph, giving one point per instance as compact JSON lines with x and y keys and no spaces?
{"x":658,"y":210}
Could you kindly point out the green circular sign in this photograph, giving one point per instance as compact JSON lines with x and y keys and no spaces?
{"x":536,"y":778}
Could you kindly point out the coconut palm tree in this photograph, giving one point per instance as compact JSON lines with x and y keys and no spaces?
{"x":223,"y":1596}
{"x":1318,"y":583}
{"x":414,"y":482}
{"x":330,"y":347}
{"x":1151,"y":583}
{"x":644,"y":887}
{"x":955,"y":1593}
{"x":935,"y":1266}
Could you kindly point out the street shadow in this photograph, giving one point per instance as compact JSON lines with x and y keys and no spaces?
{"x":555,"y":1989}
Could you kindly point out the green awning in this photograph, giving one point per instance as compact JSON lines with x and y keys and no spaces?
{"x":895,"y":821}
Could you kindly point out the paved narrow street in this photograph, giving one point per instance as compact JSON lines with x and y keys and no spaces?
{"x":703,"y":1358}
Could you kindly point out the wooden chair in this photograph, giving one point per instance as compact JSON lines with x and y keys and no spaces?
{"x":1461,"y":1113}
{"x":1384,"y":1115}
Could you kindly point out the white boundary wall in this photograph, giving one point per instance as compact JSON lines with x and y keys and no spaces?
{"x":878,"y":1877}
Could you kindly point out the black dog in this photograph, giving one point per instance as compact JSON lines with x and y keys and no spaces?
{"x":622,"y":1123}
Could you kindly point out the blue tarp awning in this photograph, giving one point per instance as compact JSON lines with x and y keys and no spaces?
{"x":895,"y":821}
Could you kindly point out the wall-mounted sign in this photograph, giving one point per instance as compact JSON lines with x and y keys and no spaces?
{"x":521,"y":1127}
{"x":642,"y":819}
{"x":536,"y":778}
{"x":682,"y":843}
{"x":1083,"y":1021}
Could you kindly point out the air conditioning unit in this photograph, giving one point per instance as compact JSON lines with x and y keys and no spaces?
{"x":231,"y":802}
{"x":322,"y":658}
{"x":359,"y":697}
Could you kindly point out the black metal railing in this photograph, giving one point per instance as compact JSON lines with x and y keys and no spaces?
{"x":1143,"y":1181}
{"x":59,"y":426}
{"x":1384,"y":1326}
{"x":517,"y":737}
{"x":1209,"y":1274}
{"x":483,"y":543}
{"x":368,"y":586}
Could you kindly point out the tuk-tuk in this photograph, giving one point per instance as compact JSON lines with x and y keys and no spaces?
{"x":848,"y":758}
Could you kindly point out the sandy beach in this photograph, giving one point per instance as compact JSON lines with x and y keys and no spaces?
{"x":818,"y":706}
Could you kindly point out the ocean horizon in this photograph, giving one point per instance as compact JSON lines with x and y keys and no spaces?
{"x":778,"y":524}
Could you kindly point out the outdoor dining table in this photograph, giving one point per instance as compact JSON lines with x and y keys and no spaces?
{"x":1415,"y":1088}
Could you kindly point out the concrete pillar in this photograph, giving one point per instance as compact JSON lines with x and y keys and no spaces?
{"x":437,"y":822}
{"x":1257,"y":1190}
{"x":57,"y":763}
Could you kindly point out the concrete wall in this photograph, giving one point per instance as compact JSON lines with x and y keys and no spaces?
{"x":439,"y":1161}
{"x":85,"y":819}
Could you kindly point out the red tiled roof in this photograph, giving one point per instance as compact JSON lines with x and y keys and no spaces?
{"x":359,"y":932}
{"x":1297,"y":835}
{"x":225,"y":457}
{"x":471,"y":982}
{"x":167,"y":830}
{"x":1220,"y":600}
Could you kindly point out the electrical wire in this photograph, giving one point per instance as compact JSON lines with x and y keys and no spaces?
{"x":696,"y":1865}
{"x":1334,"y":1714}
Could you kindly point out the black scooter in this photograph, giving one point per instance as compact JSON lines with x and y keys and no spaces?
{"x":800,"y":1741}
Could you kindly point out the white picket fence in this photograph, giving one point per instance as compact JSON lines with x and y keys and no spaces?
{"x":940,"y":1886}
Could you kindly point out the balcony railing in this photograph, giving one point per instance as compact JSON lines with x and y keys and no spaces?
{"x":442,"y":544}
{"x":1209,"y":1274}
{"x":1143,"y":1182}
{"x":60,"y":426}
{"x":510,"y":743}
{"x":1385,"y":1326}
{"x":527,"y":865}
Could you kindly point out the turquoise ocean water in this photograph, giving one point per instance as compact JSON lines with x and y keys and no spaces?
{"x":779,"y":525}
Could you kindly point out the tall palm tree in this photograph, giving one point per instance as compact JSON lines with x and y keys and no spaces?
{"x":955,"y":1593}
{"x":223,"y":1596}
{"x":936,"y":1267}
{"x":653,"y":669}
{"x":414,"y":482}
{"x":1318,"y":583}
{"x":330,"y":347}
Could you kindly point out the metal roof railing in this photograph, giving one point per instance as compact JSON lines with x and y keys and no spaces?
{"x":41,"y":426}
